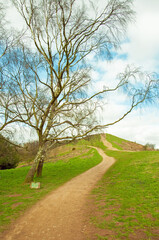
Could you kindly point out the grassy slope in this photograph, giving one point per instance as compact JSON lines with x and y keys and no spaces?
{"x":115,"y":141}
{"x":127,"y":198}
{"x":94,"y":140}
{"x":15,"y":197}
{"x":122,"y":144}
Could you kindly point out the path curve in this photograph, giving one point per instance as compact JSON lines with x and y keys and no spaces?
{"x":107,"y":144}
{"x":61,"y":214}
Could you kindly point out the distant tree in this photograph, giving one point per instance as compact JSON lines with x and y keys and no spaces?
{"x":8,"y":155}
{"x":149,"y":146}
{"x":28,"y":151}
{"x":50,"y":73}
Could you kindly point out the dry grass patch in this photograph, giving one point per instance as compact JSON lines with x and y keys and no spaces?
{"x":65,"y":152}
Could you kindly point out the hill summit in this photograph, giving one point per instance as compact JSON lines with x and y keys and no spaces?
{"x":122,"y":144}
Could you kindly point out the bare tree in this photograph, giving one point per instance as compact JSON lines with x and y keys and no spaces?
{"x":51,"y":80}
{"x":8,"y":40}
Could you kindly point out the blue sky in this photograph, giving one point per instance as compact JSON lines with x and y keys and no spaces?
{"x":139,"y":48}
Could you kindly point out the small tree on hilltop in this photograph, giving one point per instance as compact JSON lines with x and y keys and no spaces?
{"x":149,"y":146}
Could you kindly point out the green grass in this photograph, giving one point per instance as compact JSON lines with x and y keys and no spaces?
{"x":16,"y":197}
{"x":94,"y":140}
{"x":127,"y":197}
{"x":115,"y":141}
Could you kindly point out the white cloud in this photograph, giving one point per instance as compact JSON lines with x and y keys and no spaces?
{"x":105,"y":73}
{"x":143,"y":35}
{"x":13,"y":17}
{"x":140,"y":126}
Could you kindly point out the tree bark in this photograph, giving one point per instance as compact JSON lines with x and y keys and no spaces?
{"x":30,"y":175}
{"x":36,"y":167}
{"x":40,"y":168}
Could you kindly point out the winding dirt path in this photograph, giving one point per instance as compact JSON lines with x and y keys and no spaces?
{"x":61,"y":215}
{"x":107,"y":144}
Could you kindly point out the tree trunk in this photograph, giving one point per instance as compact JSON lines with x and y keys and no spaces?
{"x":30,"y":175}
{"x":40,"y":168}
{"x":39,"y":157}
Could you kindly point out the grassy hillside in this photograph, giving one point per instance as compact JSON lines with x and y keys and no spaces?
{"x":60,"y":152}
{"x":15,"y":197}
{"x":126,"y":199}
{"x":93,"y":140}
{"x":122,"y":144}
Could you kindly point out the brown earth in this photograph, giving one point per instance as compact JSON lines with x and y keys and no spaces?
{"x":63,"y":214}
{"x":65,"y":152}
{"x":132,"y":146}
